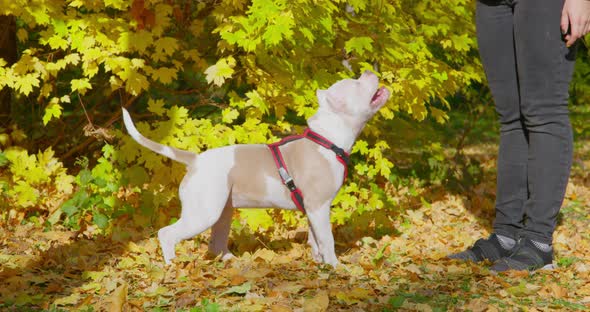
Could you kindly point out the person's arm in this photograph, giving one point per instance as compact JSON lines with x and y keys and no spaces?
{"x":575,"y":17}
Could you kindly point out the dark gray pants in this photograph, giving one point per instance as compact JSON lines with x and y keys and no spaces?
{"x":528,"y":68}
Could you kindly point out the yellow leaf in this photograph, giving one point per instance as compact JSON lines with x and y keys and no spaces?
{"x":288,"y":287}
{"x":136,"y":83}
{"x":73,"y":59}
{"x":22,"y":35}
{"x":167,"y":45}
{"x":318,"y":303}
{"x":229,"y":115}
{"x":80,"y":85}
{"x":141,"y":40}
{"x":156,"y":107}
{"x":118,"y":298}
{"x":57,"y":42}
{"x":222,"y":70}
{"x":26,"y":83}
{"x":25,"y":64}
{"x":265,"y":254}
{"x":53,"y":110}
{"x":68,"y":300}
{"x":76,"y":3}
{"x":164,"y":74}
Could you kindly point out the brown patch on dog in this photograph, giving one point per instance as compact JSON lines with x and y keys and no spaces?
{"x":311,"y":172}
{"x":252,"y":163}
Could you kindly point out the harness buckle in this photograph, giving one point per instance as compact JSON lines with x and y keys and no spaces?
{"x":287,"y":179}
{"x":340,"y":153}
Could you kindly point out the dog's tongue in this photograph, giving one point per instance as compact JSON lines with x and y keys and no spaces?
{"x":377,"y":94}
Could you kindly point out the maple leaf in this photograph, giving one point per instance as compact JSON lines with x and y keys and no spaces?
{"x":141,"y":40}
{"x":167,"y":45}
{"x":25,"y":84}
{"x":156,"y":106}
{"x":229,"y":115}
{"x":221,"y":71}
{"x":80,"y":85}
{"x":359,"y":45}
{"x":53,"y":110}
{"x":461,"y":43}
{"x":136,"y":83}
{"x":164,"y":74}
{"x":72,"y":58}
{"x":281,"y":28}
{"x":22,"y":35}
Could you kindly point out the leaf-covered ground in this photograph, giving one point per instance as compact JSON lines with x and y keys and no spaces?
{"x":407,"y":270}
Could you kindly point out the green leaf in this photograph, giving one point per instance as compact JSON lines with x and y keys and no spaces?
{"x":359,"y":45}
{"x":69,"y":207}
{"x":397,"y":301}
{"x":85,"y":176}
{"x":100,"y":220}
{"x":240,"y":290}
{"x":3,"y":159}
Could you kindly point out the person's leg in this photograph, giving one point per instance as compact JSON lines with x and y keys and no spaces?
{"x":495,"y":36}
{"x":494,"y":21}
{"x":545,"y":67}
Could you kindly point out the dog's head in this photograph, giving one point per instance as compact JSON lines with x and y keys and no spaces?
{"x":358,"y":99}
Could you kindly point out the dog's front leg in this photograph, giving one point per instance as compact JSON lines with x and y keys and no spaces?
{"x":315,"y":252}
{"x":319,"y":220}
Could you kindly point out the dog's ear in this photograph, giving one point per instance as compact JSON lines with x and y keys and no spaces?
{"x":325,"y":99}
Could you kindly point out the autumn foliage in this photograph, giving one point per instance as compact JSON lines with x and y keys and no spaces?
{"x":207,"y":74}
{"x":80,"y":200}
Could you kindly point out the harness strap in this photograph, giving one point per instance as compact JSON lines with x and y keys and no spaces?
{"x":341,"y":155}
{"x":296,"y":194}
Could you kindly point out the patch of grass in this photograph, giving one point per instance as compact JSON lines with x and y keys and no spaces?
{"x":562,"y":303}
{"x":567,"y":261}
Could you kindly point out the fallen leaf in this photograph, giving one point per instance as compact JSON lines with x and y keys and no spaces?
{"x":280,"y":308}
{"x":318,"y":303}
{"x":119,"y":297}
{"x":68,"y":300}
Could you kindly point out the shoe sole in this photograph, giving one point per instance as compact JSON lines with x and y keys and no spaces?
{"x":547,"y":267}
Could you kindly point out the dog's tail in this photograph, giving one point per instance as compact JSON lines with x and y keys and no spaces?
{"x":179,"y":155}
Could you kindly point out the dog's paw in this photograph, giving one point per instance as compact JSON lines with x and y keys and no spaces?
{"x":227,"y":256}
{"x":167,"y":247}
{"x":317,"y":257}
{"x":335,"y":263}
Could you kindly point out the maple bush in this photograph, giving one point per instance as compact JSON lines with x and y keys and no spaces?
{"x":201,"y":75}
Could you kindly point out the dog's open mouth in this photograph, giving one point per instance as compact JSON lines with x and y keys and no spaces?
{"x":378,"y":96}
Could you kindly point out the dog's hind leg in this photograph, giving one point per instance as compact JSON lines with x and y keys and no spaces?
{"x":220,"y":233}
{"x":203,"y":203}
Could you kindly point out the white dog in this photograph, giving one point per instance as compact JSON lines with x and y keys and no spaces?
{"x":246,"y":176}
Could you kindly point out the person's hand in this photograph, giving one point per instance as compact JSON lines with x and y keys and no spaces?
{"x":575,"y":17}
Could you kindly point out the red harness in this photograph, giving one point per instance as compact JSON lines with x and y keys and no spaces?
{"x":296,"y":194}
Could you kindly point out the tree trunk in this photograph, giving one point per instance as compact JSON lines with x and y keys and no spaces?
{"x":8,"y":53}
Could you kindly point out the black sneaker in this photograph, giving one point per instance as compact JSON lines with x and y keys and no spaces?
{"x":525,"y":256}
{"x":483,"y":249}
